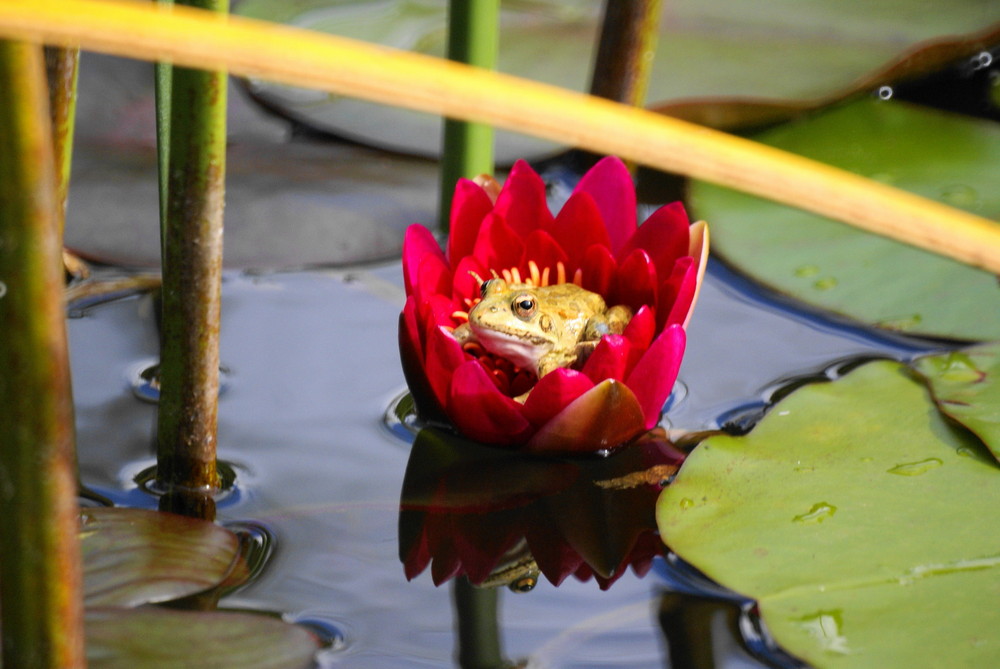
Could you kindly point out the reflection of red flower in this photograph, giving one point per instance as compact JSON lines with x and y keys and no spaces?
{"x":655,"y":269}
{"x":465,"y":506}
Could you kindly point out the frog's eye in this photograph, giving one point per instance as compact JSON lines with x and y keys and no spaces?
{"x":524,"y":306}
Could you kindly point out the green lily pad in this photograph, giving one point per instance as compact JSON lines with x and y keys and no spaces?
{"x":966,"y":386}
{"x":706,"y":49}
{"x":154,"y":638}
{"x":135,"y":556}
{"x":942,"y":156}
{"x":859,"y":519}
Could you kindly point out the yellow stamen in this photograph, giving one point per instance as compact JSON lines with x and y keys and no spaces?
{"x":479,"y":279}
{"x":545,"y":277}
{"x":578,"y":277}
{"x":533,"y":270}
{"x":460,"y":315}
{"x":516,"y":274}
{"x":560,"y":272}
{"x":507,"y":276}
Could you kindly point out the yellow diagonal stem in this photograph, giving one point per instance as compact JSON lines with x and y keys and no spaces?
{"x":349,"y":67}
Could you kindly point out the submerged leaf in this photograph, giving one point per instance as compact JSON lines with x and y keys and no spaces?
{"x":135,"y":556}
{"x":857,"y":518}
{"x":706,"y":50}
{"x":154,"y":638}
{"x":941,"y":156}
{"x":966,"y":387}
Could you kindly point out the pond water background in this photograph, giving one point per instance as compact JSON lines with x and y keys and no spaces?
{"x":312,"y":365}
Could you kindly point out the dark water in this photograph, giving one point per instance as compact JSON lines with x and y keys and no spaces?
{"x":312,"y":365}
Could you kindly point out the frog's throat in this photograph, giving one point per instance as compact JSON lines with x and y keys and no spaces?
{"x":524,"y":350}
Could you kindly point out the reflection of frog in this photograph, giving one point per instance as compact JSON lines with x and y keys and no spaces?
{"x":541,"y":328}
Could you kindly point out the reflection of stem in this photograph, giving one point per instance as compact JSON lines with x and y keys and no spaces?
{"x":473,"y":38}
{"x":687,"y":623}
{"x":370,"y":72}
{"x":192,"y":279}
{"x":40,"y":565}
{"x":478,"y":630}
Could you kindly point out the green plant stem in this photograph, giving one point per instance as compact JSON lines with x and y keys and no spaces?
{"x":625,"y":51}
{"x":62,"y":66}
{"x":39,"y":548}
{"x":163,"y":74}
{"x":192,"y":278}
{"x":473,"y":38}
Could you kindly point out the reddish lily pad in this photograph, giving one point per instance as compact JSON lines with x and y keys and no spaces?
{"x":966,"y":387}
{"x":858,"y":518}
{"x":136,"y":556}
{"x":154,"y":638}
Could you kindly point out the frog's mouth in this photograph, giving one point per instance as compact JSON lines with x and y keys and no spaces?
{"x":520,"y":349}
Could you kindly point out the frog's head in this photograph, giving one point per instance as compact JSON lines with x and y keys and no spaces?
{"x":513,"y":322}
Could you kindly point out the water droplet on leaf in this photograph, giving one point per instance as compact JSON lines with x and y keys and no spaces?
{"x":806,"y":270}
{"x":826,"y":627}
{"x":826,"y":283}
{"x":916,"y":468}
{"x":687,"y":503}
{"x":819,"y":512}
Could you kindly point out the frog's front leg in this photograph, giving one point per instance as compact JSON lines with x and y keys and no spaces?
{"x":463,"y":333}
{"x":612,"y":321}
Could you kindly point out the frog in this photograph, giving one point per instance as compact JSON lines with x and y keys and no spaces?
{"x":541,"y":328}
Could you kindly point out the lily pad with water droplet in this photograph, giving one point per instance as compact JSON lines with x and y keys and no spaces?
{"x":852,"y":563}
{"x":966,"y":386}
{"x":136,"y":556}
{"x":838,"y":267}
{"x":155,"y":638}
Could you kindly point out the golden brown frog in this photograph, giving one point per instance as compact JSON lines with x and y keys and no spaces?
{"x":541,"y":328}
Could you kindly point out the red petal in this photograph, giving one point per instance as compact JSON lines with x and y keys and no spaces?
{"x":610,"y":184}
{"x":639,"y":332}
{"x":544,"y":250}
{"x":654,"y":376}
{"x":522,"y":202}
{"x":553,"y":392}
{"x":433,"y":277}
{"x":482,"y":412}
{"x":665,"y":236}
{"x":469,"y":206}
{"x":698,"y":251}
{"x":636,"y":283}
{"x":605,"y":416}
{"x":677,"y":294}
{"x":577,"y":226}
{"x":465,"y":285}
{"x":609,"y":359}
{"x":418,"y":244}
{"x":498,"y":246}
{"x":444,"y":355}
{"x":599,"y":269}
{"x":641,"y":329}
{"x":409,"y":328}
{"x":411,"y":356}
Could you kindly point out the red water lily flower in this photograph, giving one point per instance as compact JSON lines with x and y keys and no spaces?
{"x":655,"y":269}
